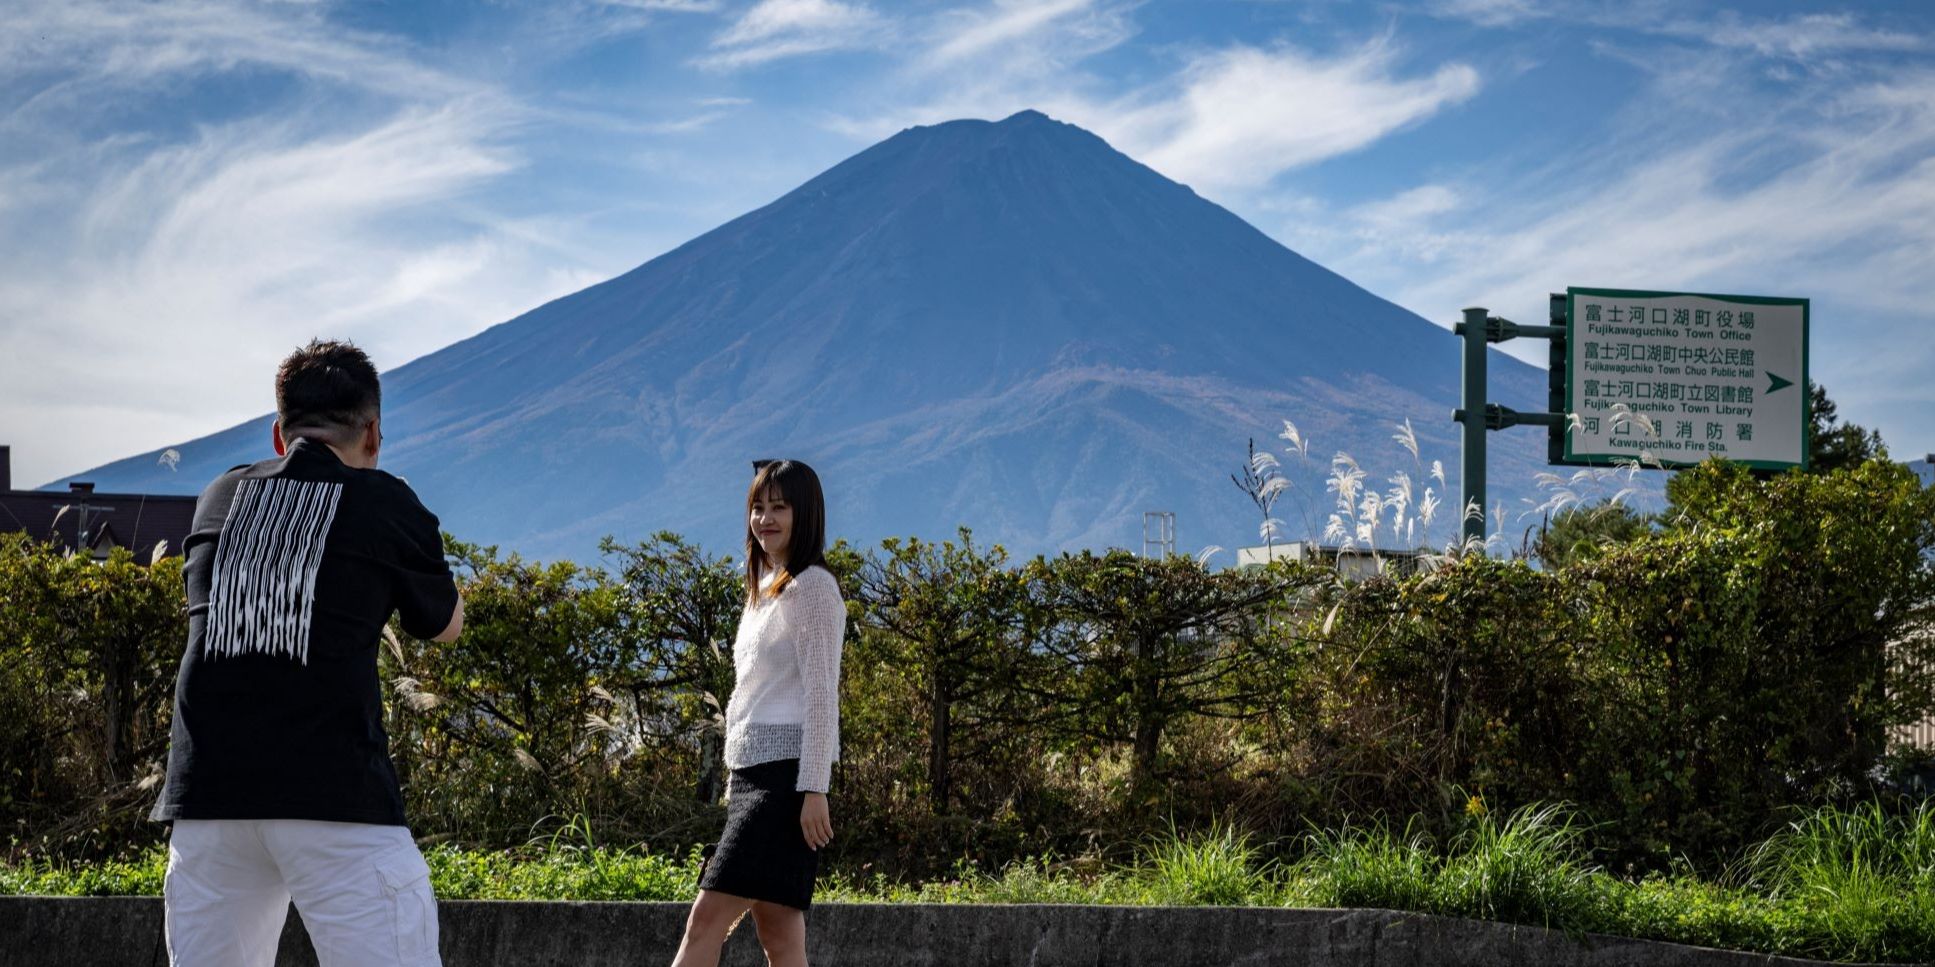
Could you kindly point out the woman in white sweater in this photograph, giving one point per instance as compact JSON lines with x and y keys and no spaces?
{"x":782,"y":727}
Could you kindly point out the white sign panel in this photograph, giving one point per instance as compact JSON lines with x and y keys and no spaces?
{"x":1680,"y":377}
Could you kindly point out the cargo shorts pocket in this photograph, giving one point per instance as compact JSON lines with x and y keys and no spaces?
{"x":413,"y":910}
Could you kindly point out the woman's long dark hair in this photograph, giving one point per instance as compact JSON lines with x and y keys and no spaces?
{"x":799,"y":486}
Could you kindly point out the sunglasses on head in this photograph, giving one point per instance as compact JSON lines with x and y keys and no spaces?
{"x":759,"y":465}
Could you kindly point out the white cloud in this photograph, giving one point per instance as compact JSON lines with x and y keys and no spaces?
{"x":1399,"y":222}
{"x":1410,"y":206}
{"x":1229,"y":120}
{"x":771,"y":18}
{"x":1833,"y":198}
{"x":1800,"y":37}
{"x":132,"y":45}
{"x":1245,"y":115}
{"x":1797,"y":38}
{"x":1852,"y":190}
{"x":991,"y":60}
{"x":162,"y":268}
{"x":675,"y":6}
{"x":967,"y":33}
{"x":161,"y":263}
{"x":776,"y":29}
{"x":199,"y":266}
{"x":684,"y":125}
{"x":1489,"y":13}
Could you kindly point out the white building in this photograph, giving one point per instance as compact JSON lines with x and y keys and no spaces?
{"x":1353,"y":563}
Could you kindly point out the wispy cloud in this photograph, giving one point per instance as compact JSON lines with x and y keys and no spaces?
{"x":1833,"y":190}
{"x":989,"y":60}
{"x":1834,"y":196}
{"x":131,"y":45}
{"x":1244,"y":115}
{"x":1489,"y":13}
{"x":776,"y":29}
{"x":243,"y":238}
{"x":197,"y":267}
{"x":174,"y":235}
{"x":684,"y":125}
{"x":181,"y":259}
{"x":1400,"y":214}
{"x":1228,"y":120}
{"x":966,"y":33}
{"x":675,"y":6}
{"x":1797,"y":38}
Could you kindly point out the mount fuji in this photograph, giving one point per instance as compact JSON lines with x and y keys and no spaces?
{"x":1005,"y":325}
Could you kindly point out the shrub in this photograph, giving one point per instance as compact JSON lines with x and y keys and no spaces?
{"x":1464,"y":678}
{"x":88,"y":651}
{"x":1681,"y":690}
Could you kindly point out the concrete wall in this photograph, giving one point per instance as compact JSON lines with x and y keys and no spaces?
{"x":54,"y":932}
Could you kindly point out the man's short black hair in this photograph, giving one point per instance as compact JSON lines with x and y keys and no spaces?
{"x":327,"y":389}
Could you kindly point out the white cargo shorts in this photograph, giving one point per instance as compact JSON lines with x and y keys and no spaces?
{"x":363,"y":893}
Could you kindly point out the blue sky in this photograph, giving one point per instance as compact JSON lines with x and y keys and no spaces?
{"x":189,"y":188}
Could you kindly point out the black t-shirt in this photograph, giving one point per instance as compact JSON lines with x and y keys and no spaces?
{"x":293,"y":566}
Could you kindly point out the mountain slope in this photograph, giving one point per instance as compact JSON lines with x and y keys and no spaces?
{"x":1008,"y":325}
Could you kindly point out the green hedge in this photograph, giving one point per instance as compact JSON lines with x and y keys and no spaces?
{"x":1682,"y":690}
{"x":88,"y":653}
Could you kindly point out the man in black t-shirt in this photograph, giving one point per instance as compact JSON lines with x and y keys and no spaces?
{"x":279,"y":784}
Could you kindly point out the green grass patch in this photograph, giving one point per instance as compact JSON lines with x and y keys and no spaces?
{"x":1854,"y":884}
{"x":140,"y":876}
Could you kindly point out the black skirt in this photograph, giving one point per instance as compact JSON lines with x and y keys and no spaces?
{"x":763,"y":855}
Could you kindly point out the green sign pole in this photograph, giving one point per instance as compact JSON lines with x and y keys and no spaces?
{"x":1555,"y":378}
{"x":1480,"y":329}
{"x":1471,"y":508}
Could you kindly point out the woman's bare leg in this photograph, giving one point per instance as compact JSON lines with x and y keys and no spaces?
{"x":707,"y":926}
{"x":782,"y":932}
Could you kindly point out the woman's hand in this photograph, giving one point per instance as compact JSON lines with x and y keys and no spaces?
{"x":815,"y":823}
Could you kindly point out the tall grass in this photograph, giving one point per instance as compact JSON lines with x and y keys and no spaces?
{"x":1529,"y":868}
{"x":1839,"y":884}
{"x":1864,"y":877}
{"x":1367,"y":866}
{"x":1221,"y":867}
{"x":1830,"y":850}
{"x":1360,"y":512}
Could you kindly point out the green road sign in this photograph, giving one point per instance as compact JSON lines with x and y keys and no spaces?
{"x":1677,"y":377}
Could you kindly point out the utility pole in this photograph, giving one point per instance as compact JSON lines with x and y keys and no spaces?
{"x":83,"y":491}
{"x":1158,"y":534}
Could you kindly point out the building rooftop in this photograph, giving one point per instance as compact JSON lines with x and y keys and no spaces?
{"x":138,"y":522}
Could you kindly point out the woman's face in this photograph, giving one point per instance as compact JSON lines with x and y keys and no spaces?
{"x":772,"y":524}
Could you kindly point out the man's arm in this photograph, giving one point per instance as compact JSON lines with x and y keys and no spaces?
{"x":424,"y":593}
{"x":456,"y":625}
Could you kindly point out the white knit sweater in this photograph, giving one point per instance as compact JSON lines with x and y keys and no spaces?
{"x":786,"y":694}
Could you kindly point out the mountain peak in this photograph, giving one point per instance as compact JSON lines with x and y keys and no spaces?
{"x":1028,"y":126}
{"x":1004,"y":324}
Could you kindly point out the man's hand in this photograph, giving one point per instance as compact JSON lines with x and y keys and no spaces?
{"x":815,"y":823}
